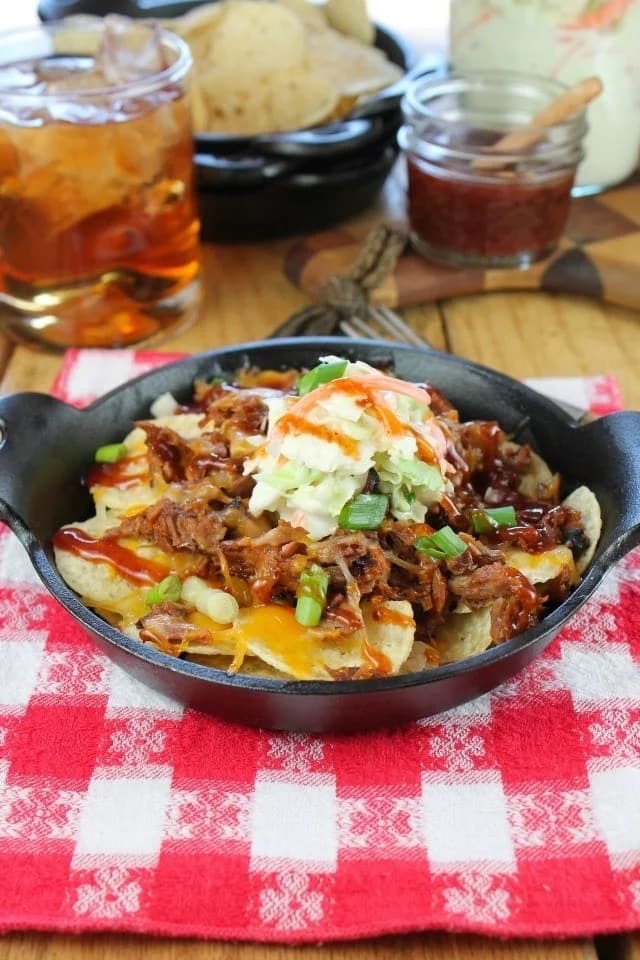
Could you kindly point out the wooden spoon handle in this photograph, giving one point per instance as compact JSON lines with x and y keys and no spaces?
{"x":562,"y":108}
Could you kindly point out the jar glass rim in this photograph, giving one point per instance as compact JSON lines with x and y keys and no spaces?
{"x":546,"y":153}
{"x":139,"y":86}
{"x":415,"y":103}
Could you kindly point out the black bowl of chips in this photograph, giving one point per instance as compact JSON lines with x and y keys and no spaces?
{"x":296,"y":108}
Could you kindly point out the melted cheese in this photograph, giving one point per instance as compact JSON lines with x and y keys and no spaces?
{"x":273,"y":634}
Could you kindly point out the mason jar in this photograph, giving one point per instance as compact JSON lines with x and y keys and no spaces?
{"x":565,"y":40}
{"x":473,"y":204}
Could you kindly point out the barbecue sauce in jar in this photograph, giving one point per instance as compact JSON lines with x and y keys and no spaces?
{"x":486,"y":218}
{"x":471,"y":204}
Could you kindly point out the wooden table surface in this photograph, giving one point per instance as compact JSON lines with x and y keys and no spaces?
{"x":246,"y":295}
{"x":522,"y":334}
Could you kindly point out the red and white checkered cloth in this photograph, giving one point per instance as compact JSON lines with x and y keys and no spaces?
{"x":517,"y":814}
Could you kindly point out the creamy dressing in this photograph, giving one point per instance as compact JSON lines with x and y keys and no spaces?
{"x":565,"y":40}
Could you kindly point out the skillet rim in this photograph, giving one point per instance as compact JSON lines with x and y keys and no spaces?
{"x":551,"y":623}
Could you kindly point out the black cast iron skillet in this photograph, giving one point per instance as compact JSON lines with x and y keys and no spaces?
{"x":46,"y":446}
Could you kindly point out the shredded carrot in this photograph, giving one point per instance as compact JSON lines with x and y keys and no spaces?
{"x":371,"y":390}
{"x":604,"y":15}
{"x":473,"y":25}
{"x":358,"y":385}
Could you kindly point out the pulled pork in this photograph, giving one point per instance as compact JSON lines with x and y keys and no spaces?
{"x":205,"y":514}
{"x":194,"y":525}
{"x":515,"y":603}
{"x":166,"y":627}
{"x":175,"y":460}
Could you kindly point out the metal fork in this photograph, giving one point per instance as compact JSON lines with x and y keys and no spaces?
{"x":381,"y":323}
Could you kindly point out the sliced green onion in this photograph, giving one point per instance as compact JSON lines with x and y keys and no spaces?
{"x":364,"y":512}
{"x":168,"y":589}
{"x":314,"y":582}
{"x":490,"y":518}
{"x":503,"y":516}
{"x":111,"y":453}
{"x":216,"y":381}
{"x":323,"y":373}
{"x":308,"y":611}
{"x":312,"y":595}
{"x":444,"y":544}
{"x":214,"y":603}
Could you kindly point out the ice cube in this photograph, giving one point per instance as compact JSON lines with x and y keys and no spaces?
{"x":130,"y":49}
{"x":54,"y":167}
{"x":18,"y":76}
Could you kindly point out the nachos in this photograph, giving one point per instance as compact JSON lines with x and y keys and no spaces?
{"x":335,"y":523}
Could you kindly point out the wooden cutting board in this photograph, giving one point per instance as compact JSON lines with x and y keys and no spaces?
{"x":598,"y":256}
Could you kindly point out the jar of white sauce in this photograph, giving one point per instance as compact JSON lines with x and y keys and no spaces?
{"x":565,"y":40}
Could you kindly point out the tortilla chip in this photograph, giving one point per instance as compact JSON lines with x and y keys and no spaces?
{"x":196,"y":25}
{"x":354,"y":69}
{"x":351,"y":18}
{"x":382,"y":646}
{"x":584,"y":502}
{"x":543,"y":567}
{"x":285,"y":99}
{"x":115,"y":598}
{"x":274,"y":636}
{"x":187,"y":425}
{"x":393,"y":640}
{"x":251,"y":73}
{"x":422,"y":657}
{"x":538,"y":483}
{"x":112,"y":502}
{"x":312,"y":15}
{"x":251,"y":666}
{"x":98,"y":584}
{"x":464,"y":635}
{"x":222,"y":643}
{"x":267,"y":67}
{"x":255,"y":38}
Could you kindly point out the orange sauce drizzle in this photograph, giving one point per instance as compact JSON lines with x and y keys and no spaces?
{"x":378,"y":660}
{"x":360,"y":385}
{"x":116,"y":474}
{"x":366,"y":391}
{"x":385,"y":614}
{"x":396,"y":428}
{"x":292,"y":423}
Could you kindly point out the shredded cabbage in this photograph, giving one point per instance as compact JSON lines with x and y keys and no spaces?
{"x":307,"y":476}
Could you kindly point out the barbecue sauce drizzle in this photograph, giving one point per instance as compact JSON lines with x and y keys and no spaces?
{"x":540,"y":523}
{"x":126,"y":562}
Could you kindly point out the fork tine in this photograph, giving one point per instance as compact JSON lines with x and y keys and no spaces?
{"x":355,"y":327}
{"x":395,"y":325}
{"x":345,"y":327}
{"x":390,"y":324}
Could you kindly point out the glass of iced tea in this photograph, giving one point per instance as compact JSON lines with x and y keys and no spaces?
{"x":98,"y":220}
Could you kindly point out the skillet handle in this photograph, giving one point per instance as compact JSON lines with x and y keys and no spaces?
{"x":34,"y":428}
{"x":609,"y":448}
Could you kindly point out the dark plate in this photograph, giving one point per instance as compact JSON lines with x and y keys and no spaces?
{"x":296,"y":203}
{"x":47,"y":445}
